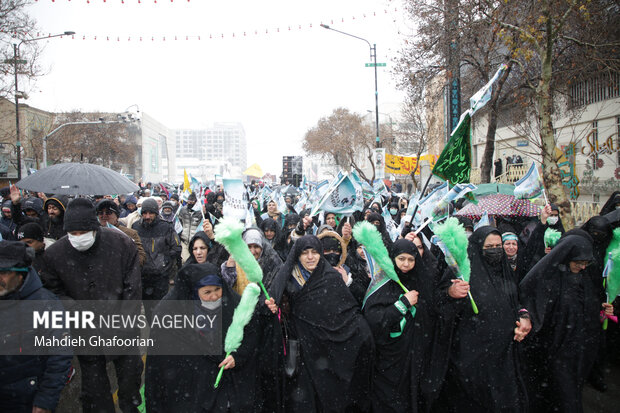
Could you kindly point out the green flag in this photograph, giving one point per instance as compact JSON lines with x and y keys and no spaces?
{"x":454,"y":163}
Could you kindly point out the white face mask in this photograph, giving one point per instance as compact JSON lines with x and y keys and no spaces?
{"x":82,"y":242}
{"x":552,"y":220}
{"x":468,"y":233}
{"x":212,"y":305}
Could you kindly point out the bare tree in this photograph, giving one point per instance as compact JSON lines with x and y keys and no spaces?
{"x":15,"y":26}
{"x":107,"y":144}
{"x":481,"y":52}
{"x":344,"y":139}
{"x":556,"y":43}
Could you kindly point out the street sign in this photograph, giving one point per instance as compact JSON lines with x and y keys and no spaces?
{"x":373,"y":65}
{"x":12,"y":61}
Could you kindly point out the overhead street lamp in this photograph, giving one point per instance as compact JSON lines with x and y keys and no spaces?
{"x":15,"y":61}
{"x":373,"y":56}
{"x":99,"y":122}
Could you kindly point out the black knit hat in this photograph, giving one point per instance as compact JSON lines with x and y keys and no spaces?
{"x":150,"y":205}
{"x":81,"y":216}
{"x":15,"y":254}
{"x":31,"y":230}
{"x":107,"y":204}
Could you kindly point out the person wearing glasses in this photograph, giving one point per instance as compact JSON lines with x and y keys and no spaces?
{"x":564,"y":301}
{"x":108,"y":213}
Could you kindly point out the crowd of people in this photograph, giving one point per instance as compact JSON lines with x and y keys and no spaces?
{"x":334,"y":336}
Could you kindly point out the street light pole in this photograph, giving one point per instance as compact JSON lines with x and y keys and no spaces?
{"x":15,"y":62}
{"x":100,"y":122}
{"x":373,"y":57}
{"x":19,"y":144}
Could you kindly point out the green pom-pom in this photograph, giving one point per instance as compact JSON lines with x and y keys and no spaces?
{"x":228,"y":233}
{"x":368,"y":235}
{"x":613,"y":278}
{"x":241,"y":317}
{"x":551,"y":237}
{"x":453,"y":235}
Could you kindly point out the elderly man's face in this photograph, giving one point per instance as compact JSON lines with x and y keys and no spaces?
{"x":107,"y":216}
{"x":9,"y":282}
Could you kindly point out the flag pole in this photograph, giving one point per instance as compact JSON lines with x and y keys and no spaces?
{"x":407,"y":227}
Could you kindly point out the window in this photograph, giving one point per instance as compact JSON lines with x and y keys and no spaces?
{"x":598,"y":88}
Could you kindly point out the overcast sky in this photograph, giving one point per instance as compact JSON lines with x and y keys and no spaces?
{"x":277,"y":84}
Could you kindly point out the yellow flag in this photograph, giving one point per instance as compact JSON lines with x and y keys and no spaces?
{"x":186,"y":186}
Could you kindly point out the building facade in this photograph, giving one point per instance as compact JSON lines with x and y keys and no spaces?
{"x":222,"y":142}
{"x":34,"y":124}
{"x":157,"y":154}
{"x":587,"y":136}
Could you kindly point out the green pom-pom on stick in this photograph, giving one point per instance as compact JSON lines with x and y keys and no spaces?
{"x":551,"y":237}
{"x":453,"y":243}
{"x":241,"y":317}
{"x":612,"y":270}
{"x":228,"y":233}
{"x":454,"y":237}
{"x":368,"y":235}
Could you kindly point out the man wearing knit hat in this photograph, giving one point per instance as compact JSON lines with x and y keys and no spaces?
{"x":95,"y":263}
{"x":28,"y":383}
{"x":164,"y":250}
{"x":31,"y":234}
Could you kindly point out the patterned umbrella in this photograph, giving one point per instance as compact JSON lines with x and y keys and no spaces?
{"x":500,"y":205}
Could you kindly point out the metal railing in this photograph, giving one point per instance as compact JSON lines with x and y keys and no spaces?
{"x":583,"y":211}
{"x":513,"y":174}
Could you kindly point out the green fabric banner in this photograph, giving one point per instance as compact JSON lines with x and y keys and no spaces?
{"x":454,"y":163}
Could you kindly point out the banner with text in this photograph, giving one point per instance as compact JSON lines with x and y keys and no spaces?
{"x":404,"y":165}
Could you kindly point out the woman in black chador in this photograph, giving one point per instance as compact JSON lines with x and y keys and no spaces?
{"x":332,"y":373}
{"x":185,"y":383}
{"x":564,"y":301}
{"x":402,"y":326}
{"x":484,"y":372}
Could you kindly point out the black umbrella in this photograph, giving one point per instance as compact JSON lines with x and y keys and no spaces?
{"x":77,"y":179}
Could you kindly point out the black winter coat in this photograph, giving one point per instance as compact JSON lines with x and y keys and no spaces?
{"x":161,"y":244}
{"x":185,"y":383}
{"x":37,"y":380}
{"x":109,"y":270}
